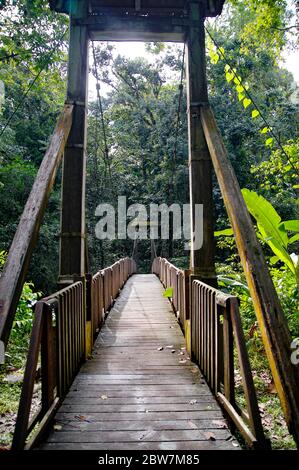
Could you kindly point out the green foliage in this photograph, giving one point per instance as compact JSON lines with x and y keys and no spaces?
{"x":273,"y":231}
{"x":168,"y":292}
{"x":261,"y":25}
{"x":233,"y":281}
{"x":22,"y":324}
{"x":232,"y":76}
{"x":24,"y":315}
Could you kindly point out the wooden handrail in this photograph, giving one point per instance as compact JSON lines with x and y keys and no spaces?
{"x":171,"y":276}
{"x":18,"y":259}
{"x":105,"y":286}
{"x":59,"y":333}
{"x":215,"y":329}
{"x":272,"y":321}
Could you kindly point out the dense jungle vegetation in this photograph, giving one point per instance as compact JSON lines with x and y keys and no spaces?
{"x":255,"y":100}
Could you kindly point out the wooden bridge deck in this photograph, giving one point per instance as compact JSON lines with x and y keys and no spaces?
{"x":140,"y":390}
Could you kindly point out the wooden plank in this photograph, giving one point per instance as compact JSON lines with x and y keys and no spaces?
{"x":150,"y":416}
{"x":272,"y":321}
{"x":130,"y":393}
{"x":173,"y":445}
{"x":129,"y":28}
{"x":137,"y":436}
{"x":147,"y":7}
{"x":98,"y":407}
{"x":97,"y":399}
{"x":207,"y":424}
{"x":18,"y":259}
{"x":144,"y":393}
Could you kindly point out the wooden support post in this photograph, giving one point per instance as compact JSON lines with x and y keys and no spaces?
{"x":200,"y":167}
{"x":72,"y":243}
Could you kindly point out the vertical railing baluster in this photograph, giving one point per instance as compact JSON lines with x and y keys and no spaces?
{"x":228,"y":346}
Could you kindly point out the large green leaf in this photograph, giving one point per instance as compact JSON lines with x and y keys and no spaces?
{"x":291,"y":225}
{"x":294,"y":238}
{"x":168,"y":292}
{"x":269,"y":225}
{"x":231,"y":282}
{"x":227,"y":232}
{"x":266,"y":216}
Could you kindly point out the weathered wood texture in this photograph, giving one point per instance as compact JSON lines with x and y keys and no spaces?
{"x":132,"y":394}
{"x":116,"y":28}
{"x":13,"y":276}
{"x":200,"y":166}
{"x":271,"y":319}
{"x":215,"y":327}
{"x":143,"y":7}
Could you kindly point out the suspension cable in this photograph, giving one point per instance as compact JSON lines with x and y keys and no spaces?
{"x":274,"y":135}
{"x":178,"y":120}
{"x":99,"y":99}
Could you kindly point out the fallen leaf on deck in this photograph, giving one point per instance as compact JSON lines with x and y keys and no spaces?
{"x":210,"y":436}
{"x":192,"y":402}
{"x":192,"y":425}
{"x":182,"y":361}
{"x":104,"y":397}
{"x":169,"y":347}
{"x":160,"y":348}
{"x":57,"y":427}
{"x":194,"y":370}
{"x":220,"y":424}
{"x":81,"y":418}
{"x":173,"y":351}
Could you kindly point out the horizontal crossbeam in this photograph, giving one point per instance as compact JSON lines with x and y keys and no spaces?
{"x":117,"y":28}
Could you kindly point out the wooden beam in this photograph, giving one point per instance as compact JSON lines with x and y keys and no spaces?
{"x":117,"y":28}
{"x":72,"y":242}
{"x":272,"y":322}
{"x":158,"y":7}
{"x":17,"y":263}
{"x":200,"y":165}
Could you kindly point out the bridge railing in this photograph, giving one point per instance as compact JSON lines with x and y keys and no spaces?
{"x":175,"y":278}
{"x":60,"y":343}
{"x":217,"y":340}
{"x":106,"y":285}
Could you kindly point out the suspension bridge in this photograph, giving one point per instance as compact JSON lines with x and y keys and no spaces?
{"x":122,"y":367}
